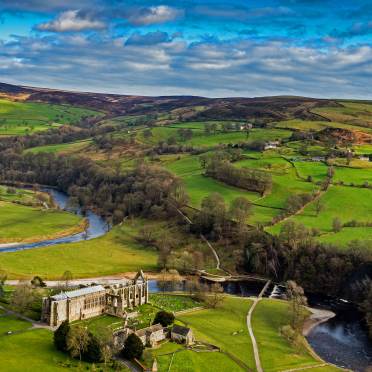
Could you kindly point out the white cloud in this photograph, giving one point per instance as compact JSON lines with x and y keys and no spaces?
{"x":231,"y":68}
{"x":71,"y":20}
{"x":154,"y":15}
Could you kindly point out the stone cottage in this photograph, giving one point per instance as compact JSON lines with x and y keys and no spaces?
{"x":182,"y":335}
{"x":152,"y":335}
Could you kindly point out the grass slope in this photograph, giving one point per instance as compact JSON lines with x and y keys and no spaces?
{"x":24,"y":117}
{"x":346,"y":203}
{"x":276,"y":353}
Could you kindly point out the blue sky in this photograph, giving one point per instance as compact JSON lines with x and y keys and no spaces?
{"x":319,"y":48}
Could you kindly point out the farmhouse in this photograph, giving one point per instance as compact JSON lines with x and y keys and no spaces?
{"x":182,"y":335}
{"x":364,"y":158}
{"x":92,"y":301}
{"x":271,"y":145}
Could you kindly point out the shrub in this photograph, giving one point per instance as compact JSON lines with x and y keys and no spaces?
{"x":60,"y":336}
{"x":133,"y":347}
{"x":164,"y":318}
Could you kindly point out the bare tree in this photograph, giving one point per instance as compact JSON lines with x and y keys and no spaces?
{"x":77,"y":341}
{"x":23,"y":297}
{"x":216,"y":296}
{"x":297,"y":300}
{"x":106,"y":341}
{"x":66,"y":278}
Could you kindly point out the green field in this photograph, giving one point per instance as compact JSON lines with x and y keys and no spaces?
{"x":198,"y":186}
{"x":224,"y":327}
{"x":345,"y":203}
{"x":17,"y":118}
{"x":116,"y":252}
{"x":32,"y":350}
{"x":189,"y":361}
{"x":10,"y":323}
{"x":317,"y":170}
{"x":346,"y":235}
{"x":95,"y":325}
{"x":363,"y":149}
{"x":24,"y":223}
{"x":355,"y":176}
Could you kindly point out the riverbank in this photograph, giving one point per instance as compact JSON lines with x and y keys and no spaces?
{"x":81,"y":227}
{"x":318,"y":316}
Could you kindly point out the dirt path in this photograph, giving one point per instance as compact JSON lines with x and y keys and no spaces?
{"x":35,"y":324}
{"x":213,"y":251}
{"x":250,"y":329}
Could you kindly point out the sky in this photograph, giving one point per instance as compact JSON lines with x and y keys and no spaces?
{"x":213,"y":48}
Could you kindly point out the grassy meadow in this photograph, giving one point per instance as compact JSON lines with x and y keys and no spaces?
{"x":115,"y":252}
{"x":24,"y":223}
{"x":32,"y":349}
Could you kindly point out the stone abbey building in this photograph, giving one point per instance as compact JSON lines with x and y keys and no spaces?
{"x":92,"y":301}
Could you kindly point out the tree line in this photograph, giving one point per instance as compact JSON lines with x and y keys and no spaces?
{"x":245,"y":178}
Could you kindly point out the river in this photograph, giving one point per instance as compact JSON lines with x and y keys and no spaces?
{"x":97,"y":226}
{"x":342,"y":340}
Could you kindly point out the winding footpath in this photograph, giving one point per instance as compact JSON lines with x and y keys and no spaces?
{"x":250,"y":329}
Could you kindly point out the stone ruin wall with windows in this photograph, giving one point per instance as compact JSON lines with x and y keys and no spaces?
{"x":92,"y":301}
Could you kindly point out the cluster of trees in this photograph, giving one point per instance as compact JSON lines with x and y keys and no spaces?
{"x":212,"y":128}
{"x":217,"y":221}
{"x":245,"y":178}
{"x":296,"y":255}
{"x":79,"y":342}
{"x":164,"y":147}
{"x":185,"y":133}
{"x":144,"y":191}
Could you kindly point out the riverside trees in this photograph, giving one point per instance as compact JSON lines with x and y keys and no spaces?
{"x":144,"y":191}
